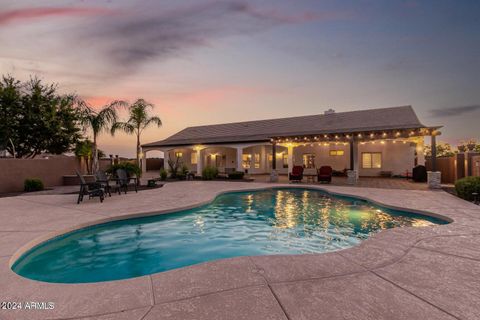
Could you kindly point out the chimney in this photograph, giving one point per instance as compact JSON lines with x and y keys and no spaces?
{"x":329,"y":111}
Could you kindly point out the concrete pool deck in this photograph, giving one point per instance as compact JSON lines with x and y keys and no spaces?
{"x":404,"y":273}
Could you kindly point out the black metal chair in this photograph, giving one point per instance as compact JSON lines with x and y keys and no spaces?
{"x":90,"y":189}
{"x":123,"y":181}
{"x":104,"y":180}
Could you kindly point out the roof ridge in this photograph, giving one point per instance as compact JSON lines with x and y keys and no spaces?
{"x":297,"y":117}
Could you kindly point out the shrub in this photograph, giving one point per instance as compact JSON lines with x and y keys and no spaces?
{"x":183,"y":172}
{"x":209,"y":173}
{"x":131,"y":168}
{"x":33,"y":184}
{"x":174,"y":166}
{"x":466,"y":186}
{"x":163,"y":174}
{"x":236,"y":175}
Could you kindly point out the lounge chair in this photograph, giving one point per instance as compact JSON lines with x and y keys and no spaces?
{"x":296,"y":174}
{"x":102,"y":178}
{"x":324,"y":174}
{"x":123,"y":181}
{"x":90,"y":189}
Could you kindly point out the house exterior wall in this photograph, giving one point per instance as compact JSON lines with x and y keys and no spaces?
{"x":397,"y":157}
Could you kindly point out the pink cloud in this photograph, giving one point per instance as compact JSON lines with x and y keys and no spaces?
{"x":7,"y":17}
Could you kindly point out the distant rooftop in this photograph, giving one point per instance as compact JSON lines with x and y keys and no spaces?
{"x":403,"y":117}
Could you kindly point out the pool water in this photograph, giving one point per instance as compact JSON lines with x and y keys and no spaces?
{"x":274,"y":221}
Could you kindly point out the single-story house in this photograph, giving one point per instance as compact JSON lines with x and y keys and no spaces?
{"x":369,"y":141}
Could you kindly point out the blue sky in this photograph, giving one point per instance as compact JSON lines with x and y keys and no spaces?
{"x":205,"y":62}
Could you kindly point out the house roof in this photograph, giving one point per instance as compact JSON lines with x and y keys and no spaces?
{"x":262,"y":130}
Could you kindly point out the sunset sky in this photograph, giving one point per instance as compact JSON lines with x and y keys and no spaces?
{"x":206,"y":62}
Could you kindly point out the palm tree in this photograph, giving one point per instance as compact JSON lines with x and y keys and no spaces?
{"x":97,"y":122}
{"x":138,"y":120}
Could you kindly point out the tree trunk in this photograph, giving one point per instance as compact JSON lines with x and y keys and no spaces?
{"x":95,"y":166}
{"x":138,"y":150}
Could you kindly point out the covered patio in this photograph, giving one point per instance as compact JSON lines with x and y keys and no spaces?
{"x":365,"y":143}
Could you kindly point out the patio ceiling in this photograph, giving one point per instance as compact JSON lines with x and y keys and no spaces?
{"x":357,"y":135}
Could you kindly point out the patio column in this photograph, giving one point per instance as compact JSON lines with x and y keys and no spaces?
{"x":239,"y":159}
{"x":199,"y":162}
{"x":274,"y":174}
{"x":352,"y":174}
{"x":290,"y":158}
{"x":274,"y":156}
{"x":434,"y":152}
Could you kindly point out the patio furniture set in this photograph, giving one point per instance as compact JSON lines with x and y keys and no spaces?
{"x":324,"y":174}
{"x":104,"y":184}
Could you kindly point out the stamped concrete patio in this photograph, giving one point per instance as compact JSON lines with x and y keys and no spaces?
{"x":404,"y":273}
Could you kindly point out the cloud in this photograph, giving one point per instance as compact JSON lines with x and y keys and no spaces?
{"x":153,"y":33}
{"x":11,"y":16}
{"x":454,"y":111}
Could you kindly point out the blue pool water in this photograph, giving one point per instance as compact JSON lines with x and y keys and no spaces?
{"x":275,"y":221}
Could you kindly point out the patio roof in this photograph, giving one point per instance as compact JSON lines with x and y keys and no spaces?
{"x":370,"y":120}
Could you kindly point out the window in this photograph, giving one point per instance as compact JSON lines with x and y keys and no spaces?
{"x":309,"y":160}
{"x":178,"y":154}
{"x":246,"y":160}
{"x":285,"y":160}
{"x":270,"y":160}
{"x":337,"y":153}
{"x":193,"y":157}
{"x":371,"y":160}
{"x":257,"y":160}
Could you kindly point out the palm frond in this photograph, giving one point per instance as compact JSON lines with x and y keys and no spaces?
{"x":122,"y":126}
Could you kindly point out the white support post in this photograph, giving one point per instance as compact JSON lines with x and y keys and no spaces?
{"x":239,"y":159}
{"x":290,"y":158}
{"x":199,"y":162}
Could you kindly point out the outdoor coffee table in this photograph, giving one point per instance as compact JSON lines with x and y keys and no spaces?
{"x":310,"y":177}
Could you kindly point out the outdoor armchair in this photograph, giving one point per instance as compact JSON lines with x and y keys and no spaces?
{"x":123,"y":181}
{"x":104,"y":180}
{"x":296,"y":174}
{"x":90,"y":189}
{"x":324,"y":174}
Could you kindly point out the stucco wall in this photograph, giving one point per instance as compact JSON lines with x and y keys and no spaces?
{"x":396,"y":157}
{"x":13,"y":172}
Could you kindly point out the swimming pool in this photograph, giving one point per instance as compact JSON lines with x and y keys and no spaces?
{"x":273,"y":221}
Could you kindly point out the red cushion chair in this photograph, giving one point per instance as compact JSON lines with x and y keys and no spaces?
{"x":324,"y":174}
{"x":296,"y":174}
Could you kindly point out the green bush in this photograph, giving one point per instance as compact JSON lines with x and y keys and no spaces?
{"x":183,"y":172}
{"x":131,"y":168}
{"x":33,"y":184}
{"x":209,"y":173}
{"x":236,"y":175}
{"x":466,"y":186}
{"x":163,"y":174}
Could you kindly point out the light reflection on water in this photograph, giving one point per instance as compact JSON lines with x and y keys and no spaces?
{"x":279,"y":221}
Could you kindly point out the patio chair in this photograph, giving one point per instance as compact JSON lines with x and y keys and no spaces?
{"x":296,"y":175}
{"x":102,"y":178}
{"x":90,"y":189}
{"x":324,"y":174}
{"x":123,"y":181}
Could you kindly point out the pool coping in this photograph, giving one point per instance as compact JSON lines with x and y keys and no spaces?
{"x":404,"y":239}
{"x":58,"y":233}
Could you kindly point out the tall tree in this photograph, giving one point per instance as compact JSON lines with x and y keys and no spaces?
{"x":34,"y":118}
{"x":98,"y":122}
{"x":138,"y":120}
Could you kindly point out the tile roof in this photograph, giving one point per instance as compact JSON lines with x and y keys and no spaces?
{"x":261,"y":130}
